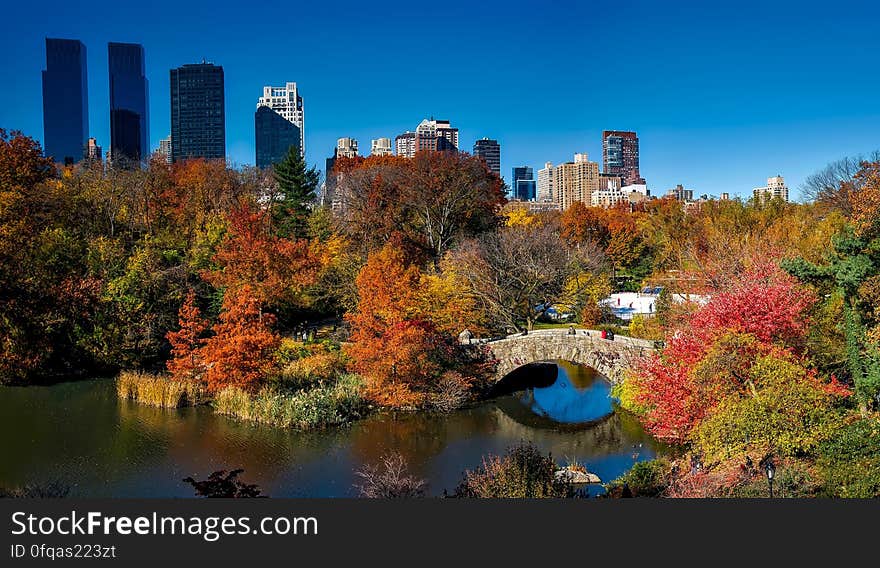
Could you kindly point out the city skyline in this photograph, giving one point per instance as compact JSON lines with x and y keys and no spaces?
{"x":711,"y":119}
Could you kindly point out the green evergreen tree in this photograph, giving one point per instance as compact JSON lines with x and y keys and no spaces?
{"x":297,"y":186}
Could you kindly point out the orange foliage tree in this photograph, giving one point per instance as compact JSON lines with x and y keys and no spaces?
{"x":395,"y":344}
{"x":274,"y":268}
{"x":242,"y":349}
{"x":187,"y":361}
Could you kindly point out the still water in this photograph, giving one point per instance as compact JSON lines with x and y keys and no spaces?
{"x":80,"y":435}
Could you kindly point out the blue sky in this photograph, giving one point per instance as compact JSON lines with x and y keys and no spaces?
{"x":722,"y":96}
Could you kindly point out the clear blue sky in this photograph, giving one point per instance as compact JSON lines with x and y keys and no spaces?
{"x":722,"y":97}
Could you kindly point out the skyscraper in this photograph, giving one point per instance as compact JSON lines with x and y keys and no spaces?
{"x":129,"y":103}
{"x":381,"y":147}
{"x":287,"y":103}
{"x":65,"y":100}
{"x":490,"y":151}
{"x":274,"y":135}
{"x":523,"y":184}
{"x":620,"y":156}
{"x":198,"y":112}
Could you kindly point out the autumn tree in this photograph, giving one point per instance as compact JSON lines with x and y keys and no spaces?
{"x":187,"y":360}
{"x":430,"y":200}
{"x":241,"y":351}
{"x":517,"y":273}
{"x":765,"y":312}
{"x":395,"y":343}
{"x":275,"y":269}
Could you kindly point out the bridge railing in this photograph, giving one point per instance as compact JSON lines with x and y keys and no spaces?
{"x":578,"y":333}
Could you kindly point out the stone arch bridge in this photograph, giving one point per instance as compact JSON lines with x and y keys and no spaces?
{"x":611,"y":357}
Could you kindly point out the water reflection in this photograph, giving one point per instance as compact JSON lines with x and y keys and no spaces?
{"x":578,"y":395}
{"x":79,"y":434}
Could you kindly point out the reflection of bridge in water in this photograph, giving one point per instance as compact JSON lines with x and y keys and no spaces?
{"x":611,"y":357}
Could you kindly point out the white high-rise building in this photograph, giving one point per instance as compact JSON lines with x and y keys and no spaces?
{"x":381,"y":147}
{"x":346,"y":148}
{"x":545,"y":183}
{"x":287,"y":102}
{"x":165,"y":148}
{"x":775,"y":188}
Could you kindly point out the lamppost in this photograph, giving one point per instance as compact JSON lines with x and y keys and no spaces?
{"x":770,"y":470}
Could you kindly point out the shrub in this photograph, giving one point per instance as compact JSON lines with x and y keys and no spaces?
{"x":307,"y":364}
{"x":319,"y":406}
{"x":522,"y":473}
{"x":787,"y":414}
{"x":644,"y":479}
{"x":389,"y":479}
{"x":849,"y":461}
{"x":224,"y":484}
{"x":160,"y":390}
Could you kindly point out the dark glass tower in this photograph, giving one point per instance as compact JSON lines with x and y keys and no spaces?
{"x":274,"y":135}
{"x":523,"y":186}
{"x":198,"y":114}
{"x":490,"y":151}
{"x":65,"y":100}
{"x":129,"y":103}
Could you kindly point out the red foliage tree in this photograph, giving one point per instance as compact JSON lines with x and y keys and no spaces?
{"x":765,"y":304}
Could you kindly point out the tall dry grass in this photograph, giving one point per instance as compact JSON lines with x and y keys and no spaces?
{"x":160,"y":390}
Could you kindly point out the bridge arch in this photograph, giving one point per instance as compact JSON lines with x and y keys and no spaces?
{"x":610,"y":357}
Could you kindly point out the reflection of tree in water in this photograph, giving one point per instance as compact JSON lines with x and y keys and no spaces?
{"x":418,"y":437}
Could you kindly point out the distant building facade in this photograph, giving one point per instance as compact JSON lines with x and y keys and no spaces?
{"x":273,"y":136}
{"x":775,"y":188}
{"x":129,"y":103}
{"x":436,"y":135}
{"x":405,"y":144}
{"x":287,"y":103}
{"x":523,"y":186}
{"x":430,"y":135}
{"x":345,"y":148}
{"x":575,"y":181}
{"x":65,"y":100}
{"x":490,"y":151}
{"x":679,"y":193}
{"x":198,"y":112}
{"x":620,"y":155}
{"x":381,"y":147}
{"x":93,"y":152}
{"x":165,"y":149}
{"x":545,"y":183}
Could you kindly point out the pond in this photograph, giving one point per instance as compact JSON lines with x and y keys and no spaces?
{"x":80,"y":435}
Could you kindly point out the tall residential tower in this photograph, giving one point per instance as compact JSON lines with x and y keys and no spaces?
{"x":620,"y":156}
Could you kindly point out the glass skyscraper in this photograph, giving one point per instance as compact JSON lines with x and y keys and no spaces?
{"x":65,"y":100}
{"x":198,"y":112}
{"x":523,"y":186}
{"x":274,"y":135}
{"x":129,"y":103}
